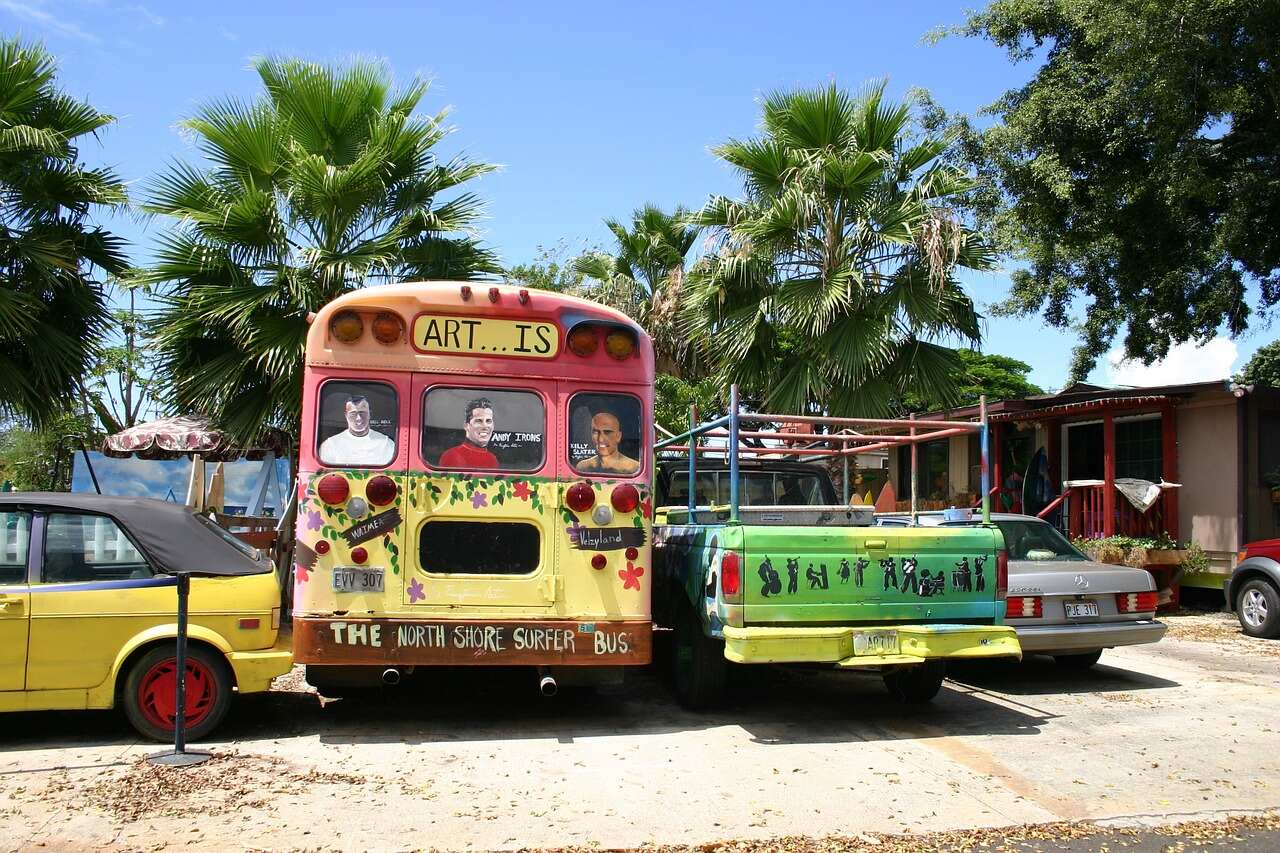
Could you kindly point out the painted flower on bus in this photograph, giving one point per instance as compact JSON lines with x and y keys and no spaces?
{"x":416,"y":593}
{"x":631,"y":576}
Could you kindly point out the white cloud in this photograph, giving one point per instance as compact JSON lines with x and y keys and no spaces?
{"x":1185,"y":363}
{"x":150,"y":17}
{"x":30,"y":12}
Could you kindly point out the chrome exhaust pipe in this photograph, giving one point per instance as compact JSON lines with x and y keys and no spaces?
{"x":391,"y":676}
{"x":547,"y":683}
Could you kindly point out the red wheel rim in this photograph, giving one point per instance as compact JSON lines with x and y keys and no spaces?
{"x":158,"y":689}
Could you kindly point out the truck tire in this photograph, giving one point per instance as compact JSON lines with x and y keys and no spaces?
{"x":698,"y":663}
{"x":1258,"y":608}
{"x":151,"y":685}
{"x":915,"y":683}
{"x":1081,"y":661}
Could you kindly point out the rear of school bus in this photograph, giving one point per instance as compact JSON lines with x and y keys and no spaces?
{"x":473,"y":487}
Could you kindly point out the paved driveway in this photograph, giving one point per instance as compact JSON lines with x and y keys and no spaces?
{"x":477,"y":760}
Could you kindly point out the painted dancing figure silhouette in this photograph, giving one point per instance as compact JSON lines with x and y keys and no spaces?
{"x":926,"y":584}
{"x":863,"y":562}
{"x":977,"y":571}
{"x":936,"y":585}
{"x":890,"y":573}
{"x":793,"y":575}
{"x":772,"y":583}
{"x":844,"y":571}
{"x":961,"y":579}
{"x":909,"y":578}
{"x":822,"y":576}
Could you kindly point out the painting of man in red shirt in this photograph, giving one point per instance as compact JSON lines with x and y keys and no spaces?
{"x":473,"y":453}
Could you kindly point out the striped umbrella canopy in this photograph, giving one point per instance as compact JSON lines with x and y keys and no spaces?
{"x":183,"y":435}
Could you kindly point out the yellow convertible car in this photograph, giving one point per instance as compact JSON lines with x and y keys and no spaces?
{"x":88,"y":610}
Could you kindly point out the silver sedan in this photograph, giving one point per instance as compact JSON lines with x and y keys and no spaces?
{"x":1060,"y":602}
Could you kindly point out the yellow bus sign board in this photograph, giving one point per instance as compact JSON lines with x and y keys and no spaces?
{"x":448,"y":333}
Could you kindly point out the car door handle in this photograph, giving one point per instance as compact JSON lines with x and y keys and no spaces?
{"x":877,"y":543}
{"x":8,"y":601}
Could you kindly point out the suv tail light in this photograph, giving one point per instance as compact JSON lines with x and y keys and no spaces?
{"x":1024,"y":607}
{"x":1002,"y":573}
{"x":731,"y":577}
{"x":1137,"y":602}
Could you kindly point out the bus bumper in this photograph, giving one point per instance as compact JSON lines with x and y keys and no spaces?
{"x":864,"y":646}
{"x":471,"y":642}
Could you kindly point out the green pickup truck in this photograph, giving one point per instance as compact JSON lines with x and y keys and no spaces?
{"x":794,"y":576}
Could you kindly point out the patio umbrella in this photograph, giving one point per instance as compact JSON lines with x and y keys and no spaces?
{"x":195,"y":484}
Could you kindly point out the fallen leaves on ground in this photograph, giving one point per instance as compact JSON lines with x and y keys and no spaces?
{"x":1219,"y":628}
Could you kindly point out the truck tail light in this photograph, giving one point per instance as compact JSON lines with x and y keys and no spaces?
{"x":333,"y":489}
{"x":1137,"y":602}
{"x":346,"y":326}
{"x":580,"y":497}
{"x":625,"y":498}
{"x":731,"y":575}
{"x":1024,"y":607}
{"x":583,"y":340}
{"x":1002,"y":573}
{"x":620,"y":343}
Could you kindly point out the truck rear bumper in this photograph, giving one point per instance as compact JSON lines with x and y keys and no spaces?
{"x":865,"y":646}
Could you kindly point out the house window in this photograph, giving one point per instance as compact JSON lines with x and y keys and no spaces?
{"x":1139,"y":449}
{"x":932,"y":462}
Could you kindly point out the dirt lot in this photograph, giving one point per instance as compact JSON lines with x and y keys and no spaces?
{"x":1183,"y":730}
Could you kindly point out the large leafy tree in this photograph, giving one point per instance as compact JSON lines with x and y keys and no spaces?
{"x":53,"y":311}
{"x":1263,"y":368}
{"x":644,"y":276}
{"x":326,"y":182}
{"x":1135,"y":173}
{"x":999,"y":377}
{"x":834,"y":277}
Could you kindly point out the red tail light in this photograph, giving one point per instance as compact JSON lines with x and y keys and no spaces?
{"x":359,"y":555}
{"x":322,"y":547}
{"x":1002,"y":573}
{"x":730,"y":574}
{"x":599,"y":561}
{"x":625,"y":498}
{"x":1025,"y":607}
{"x":1137,"y":602}
{"x":381,"y":491}
{"x":580,"y":497}
{"x":333,"y":489}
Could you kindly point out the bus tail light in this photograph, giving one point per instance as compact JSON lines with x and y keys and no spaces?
{"x":359,"y":555}
{"x":731,"y":574}
{"x":625,"y":498}
{"x":346,"y":326}
{"x":599,"y":561}
{"x":583,"y":340}
{"x":1137,"y":602}
{"x":381,"y":491}
{"x":580,"y":497}
{"x":321,"y":547}
{"x":620,"y":344}
{"x":1024,"y":607}
{"x":333,"y":489}
{"x":388,"y":328}
{"x":1002,"y":573}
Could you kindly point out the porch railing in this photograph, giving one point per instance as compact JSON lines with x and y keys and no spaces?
{"x":1086,"y":515}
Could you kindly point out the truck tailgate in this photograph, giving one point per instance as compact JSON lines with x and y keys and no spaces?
{"x":862,"y":575}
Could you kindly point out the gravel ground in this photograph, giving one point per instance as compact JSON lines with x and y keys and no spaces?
{"x":1153,"y":750}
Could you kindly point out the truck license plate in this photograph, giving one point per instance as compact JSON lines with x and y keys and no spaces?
{"x":1078,"y":609}
{"x":875,"y":643}
{"x":357,"y":580}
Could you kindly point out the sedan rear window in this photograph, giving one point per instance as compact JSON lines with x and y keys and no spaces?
{"x":1036,"y":540}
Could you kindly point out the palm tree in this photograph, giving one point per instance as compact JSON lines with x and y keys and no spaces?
{"x":53,"y":312}
{"x":833,"y":277}
{"x":324,"y":183}
{"x":644,"y":277}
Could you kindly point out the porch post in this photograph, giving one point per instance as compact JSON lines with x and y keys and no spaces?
{"x":997,"y":453}
{"x":1108,"y":474}
{"x":1169,"y":466}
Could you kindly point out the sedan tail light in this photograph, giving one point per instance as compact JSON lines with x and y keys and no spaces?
{"x":1137,"y":602}
{"x":1024,"y":607}
{"x":1002,"y":573}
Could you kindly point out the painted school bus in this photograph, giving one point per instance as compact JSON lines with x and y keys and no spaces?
{"x":474,"y":484}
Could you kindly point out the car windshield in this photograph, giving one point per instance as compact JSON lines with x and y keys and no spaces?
{"x":1036,"y":540}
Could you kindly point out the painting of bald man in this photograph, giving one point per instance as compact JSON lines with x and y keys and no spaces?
{"x":608,"y":443}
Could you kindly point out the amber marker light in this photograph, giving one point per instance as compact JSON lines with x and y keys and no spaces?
{"x":346,"y":326}
{"x":619,"y":344}
{"x":388,"y":328}
{"x":583,"y":341}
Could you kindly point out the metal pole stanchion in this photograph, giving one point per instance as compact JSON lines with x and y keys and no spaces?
{"x":179,"y":756}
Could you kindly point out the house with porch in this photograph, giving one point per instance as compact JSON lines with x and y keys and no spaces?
{"x":1209,"y":446}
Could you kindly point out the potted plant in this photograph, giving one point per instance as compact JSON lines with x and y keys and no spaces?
{"x":1273,"y":480}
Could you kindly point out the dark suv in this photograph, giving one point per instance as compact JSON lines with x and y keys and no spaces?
{"x":1253,"y":591}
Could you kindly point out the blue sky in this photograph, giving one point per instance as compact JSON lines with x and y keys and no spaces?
{"x":592,"y":109}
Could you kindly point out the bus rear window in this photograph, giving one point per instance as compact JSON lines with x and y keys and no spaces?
{"x":479,"y":547}
{"x":604,"y":434}
{"x":483,"y":429}
{"x":357,"y":424}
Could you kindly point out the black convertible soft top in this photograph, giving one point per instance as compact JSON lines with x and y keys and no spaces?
{"x":175,"y":540}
